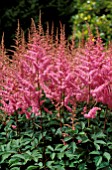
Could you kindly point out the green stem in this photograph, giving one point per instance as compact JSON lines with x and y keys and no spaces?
{"x":88,"y":122}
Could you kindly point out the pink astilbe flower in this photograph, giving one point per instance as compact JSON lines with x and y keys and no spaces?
{"x":50,"y":69}
{"x":92,"y":113}
{"x":93,"y":72}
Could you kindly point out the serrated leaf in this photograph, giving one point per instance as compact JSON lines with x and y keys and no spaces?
{"x":107,"y":156}
{"x":31,"y":167}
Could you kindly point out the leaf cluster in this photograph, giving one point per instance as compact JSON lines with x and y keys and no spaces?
{"x":40,"y":143}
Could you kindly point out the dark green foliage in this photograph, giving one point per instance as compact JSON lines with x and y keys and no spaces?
{"x":41,"y":143}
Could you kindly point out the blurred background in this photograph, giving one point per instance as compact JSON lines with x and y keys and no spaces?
{"x":73,"y":13}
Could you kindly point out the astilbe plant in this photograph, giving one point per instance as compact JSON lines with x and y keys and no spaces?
{"x":34,"y":71}
{"x":49,"y":66}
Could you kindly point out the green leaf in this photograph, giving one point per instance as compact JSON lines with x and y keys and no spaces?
{"x":98,"y":160}
{"x":95,"y":153}
{"x":49,"y":163}
{"x":17,"y":164}
{"x":36,"y":153}
{"x":98,"y":135}
{"x":18,"y":156}
{"x":71,"y":165}
{"x":8,"y":146}
{"x":40,"y":164}
{"x":28,"y":152}
{"x":64,"y":148}
{"x":13,"y":161}
{"x":60,"y":155}
{"x":15,"y":168}
{"x":59,"y":167}
{"x":103,"y":165}
{"x":82,"y":125}
{"x":74,"y":147}
{"x":107,"y":156}
{"x":27,"y":157}
{"x":69,"y":155}
{"x":82,"y":133}
{"x":67,"y":138}
{"x":5,"y":156}
{"x":100,"y":142}
{"x":40,"y":137}
{"x":31,"y":167}
{"x":59,"y":131}
{"x":53,"y":155}
{"x":97,"y":146}
{"x":58,"y":147}
{"x":50,"y":148}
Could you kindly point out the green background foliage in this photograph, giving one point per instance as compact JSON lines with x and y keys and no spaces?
{"x":51,"y":10}
{"x":98,"y":14}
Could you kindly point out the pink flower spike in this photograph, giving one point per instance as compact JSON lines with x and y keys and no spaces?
{"x":92,"y":113}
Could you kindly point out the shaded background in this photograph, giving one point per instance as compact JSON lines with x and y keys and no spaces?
{"x":72,"y":13}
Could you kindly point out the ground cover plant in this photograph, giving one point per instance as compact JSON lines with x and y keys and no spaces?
{"x":55,"y":102}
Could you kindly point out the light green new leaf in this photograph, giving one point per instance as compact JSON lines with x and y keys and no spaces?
{"x":15,"y":168}
{"x":50,"y":148}
{"x":53,"y":155}
{"x":100,"y":142}
{"x":31,"y":167}
{"x":107,"y":156}
{"x":95,"y":153}
{"x":97,"y":146}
